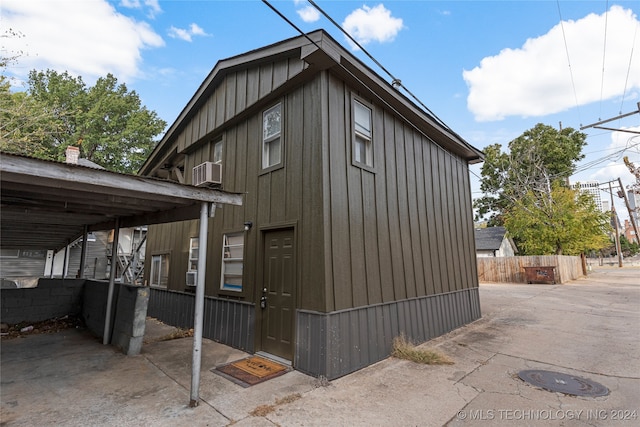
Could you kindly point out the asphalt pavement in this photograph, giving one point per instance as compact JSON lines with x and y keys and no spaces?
{"x":586,"y":330}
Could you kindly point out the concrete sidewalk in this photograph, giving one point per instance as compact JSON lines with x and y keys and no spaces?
{"x":588,"y":328}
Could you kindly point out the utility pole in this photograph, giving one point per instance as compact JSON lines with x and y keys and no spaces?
{"x":631,"y":217}
{"x":617,"y":231}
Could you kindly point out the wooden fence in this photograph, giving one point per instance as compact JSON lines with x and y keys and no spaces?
{"x":511,"y":269}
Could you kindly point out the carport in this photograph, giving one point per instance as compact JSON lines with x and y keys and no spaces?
{"x":46,"y":205}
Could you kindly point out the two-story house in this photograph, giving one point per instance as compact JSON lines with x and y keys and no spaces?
{"x":352,"y":197}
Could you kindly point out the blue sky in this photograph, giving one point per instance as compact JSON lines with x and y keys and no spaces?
{"x":489,"y":69}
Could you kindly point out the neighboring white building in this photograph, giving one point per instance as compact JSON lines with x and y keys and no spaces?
{"x":634,"y":204}
{"x":593,"y":188}
{"x":494,"y":242}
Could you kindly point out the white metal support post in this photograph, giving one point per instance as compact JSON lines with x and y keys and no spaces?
{"x":198,"y":316}
{"x":112,"y":279}
{"x":65,"y":261}
{"x":83,"y":254}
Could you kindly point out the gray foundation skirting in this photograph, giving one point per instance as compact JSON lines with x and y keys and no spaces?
{"x":338,"y":343}
{"x":327,"y":344}
{"x":225,"y":321}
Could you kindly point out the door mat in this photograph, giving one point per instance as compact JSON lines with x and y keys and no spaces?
{"x":250,"y":371}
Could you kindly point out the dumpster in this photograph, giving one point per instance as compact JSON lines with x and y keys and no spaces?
{"x":541,"y":274}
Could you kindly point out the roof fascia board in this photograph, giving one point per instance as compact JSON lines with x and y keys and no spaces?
{"x":289,"y":47}
{"x":406,"y":107}
{"x":321,"y":40}
{"x":61,"y":175}
{"x":183,"y":213}
{"x":321,"y":51}
{"x":250,"y":110}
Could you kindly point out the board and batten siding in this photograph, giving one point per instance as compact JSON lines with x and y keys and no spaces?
{"x":380,"y":251}
{"x":403,"y":230}
{"x":286,"y":196}
{"x":233,"y":95}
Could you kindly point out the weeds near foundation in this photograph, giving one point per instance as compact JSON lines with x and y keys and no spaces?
{"x":321,"y":381}
{"x":264,"y":410}
{"x":405,"y":349}
{"x":178,"y":333}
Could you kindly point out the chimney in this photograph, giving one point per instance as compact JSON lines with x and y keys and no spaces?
{"x":72,"y":154}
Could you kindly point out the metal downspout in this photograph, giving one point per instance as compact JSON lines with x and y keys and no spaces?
{"x":112,"y":279}
{"x":198,"y":316}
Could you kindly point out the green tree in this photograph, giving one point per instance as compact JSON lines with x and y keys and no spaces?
{"x":106,"y":121}
{"x":628,"y":248}
{"x":562,"y":222}
{"x":26,"y":125}
{"x":535,"y":159}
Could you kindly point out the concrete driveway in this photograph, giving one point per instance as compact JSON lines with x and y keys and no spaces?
{"x":588,"y":329}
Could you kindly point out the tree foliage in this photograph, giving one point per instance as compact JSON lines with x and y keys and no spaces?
{"x":106,"y":121}
{"x":628,"y":248}
{"x":535,"y":159}
{"x":564,"y":222}
{"x":26,"y":126}
{"x":525,"y":189}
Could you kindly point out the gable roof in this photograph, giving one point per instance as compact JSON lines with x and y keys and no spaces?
{"x":319,"y":51}
{"x":490,"y":238}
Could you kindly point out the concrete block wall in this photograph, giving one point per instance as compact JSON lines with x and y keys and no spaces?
{"x":94,"y":303}
{"x":128,"y":317}
{"x":50,"y":299}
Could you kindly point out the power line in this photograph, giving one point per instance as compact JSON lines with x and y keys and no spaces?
{"x":624,"y":92}
{"x":395,"y":81}
{"x":566,"y":49}
{"x":604,"y":50}
{"x":378,"y":97}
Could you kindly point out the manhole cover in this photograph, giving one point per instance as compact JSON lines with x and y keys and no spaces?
{"x":563,"y":383}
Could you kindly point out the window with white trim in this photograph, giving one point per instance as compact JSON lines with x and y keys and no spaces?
{"x":217,"y":152}
{"x":363,"y":134}
{"x":159,"y":270}
{"x":193,"y":254}
{"x":232,"y":262}
{"x":272,"y":136}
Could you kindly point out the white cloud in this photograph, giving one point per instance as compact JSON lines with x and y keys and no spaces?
{"x":309,"y":14}
{"x":179,"y":33}
{"x":535,"y":80}
{"x":185,"y":34}
{"x":88,"y":38}
{"x":369,"y":24}
{"x":153,"y":7}
{"x":196,"y":30}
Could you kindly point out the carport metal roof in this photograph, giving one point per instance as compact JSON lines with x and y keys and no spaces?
{"x":46,"y":204}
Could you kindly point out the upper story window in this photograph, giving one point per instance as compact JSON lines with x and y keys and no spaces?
{"x":363,"y":134}
{"x":217,"y":152}
{"x":271,"y":136}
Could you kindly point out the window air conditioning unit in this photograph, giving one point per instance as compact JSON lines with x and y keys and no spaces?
{"x":207,"y":173}
{"x":192,"y":278}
